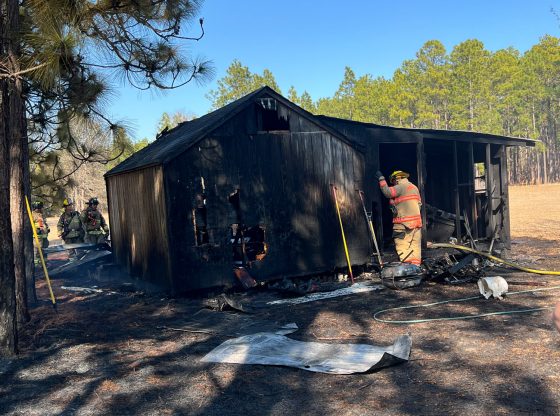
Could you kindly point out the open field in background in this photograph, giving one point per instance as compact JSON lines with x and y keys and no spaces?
{"x":535,"y":211}
{"x":108,"y":353}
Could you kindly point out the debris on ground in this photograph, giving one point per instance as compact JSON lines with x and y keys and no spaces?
{"x":58,"y":265}
{"x":224,"y":302}
{"x":359,"y":287}
{"x":86,"y":290}
{"x":401,"y":275}
{"x":232,"y":324}
{"x":272,"y":349}
{"x":454,"y":268}
{"x":247,"y":281}
{"x":297,"y":286}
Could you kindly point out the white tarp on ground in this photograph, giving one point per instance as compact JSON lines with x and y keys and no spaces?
{"x":350,"y":290}
{"x":271,"y":349}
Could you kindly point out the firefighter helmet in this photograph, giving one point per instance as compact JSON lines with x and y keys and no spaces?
{"x":37,"y":205}
{"x":67,"y":202}
{"x":398,"y":174}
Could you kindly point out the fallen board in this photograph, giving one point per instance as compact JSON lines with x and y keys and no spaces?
{"x":273,"y":349}
{"x":88,"y":258}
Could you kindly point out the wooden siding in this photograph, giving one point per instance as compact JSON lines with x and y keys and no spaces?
{"x":138,"y":224}
{"x":446,"y":161}
{"x":284,"y":180}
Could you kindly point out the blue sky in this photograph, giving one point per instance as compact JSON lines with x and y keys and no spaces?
{"x":307,"y":43}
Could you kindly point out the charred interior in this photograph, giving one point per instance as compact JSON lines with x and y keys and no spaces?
{"x":200,"y":216}
{"x":465,"y":191}
{"x":248,"y":242}
{"x":269,"y":118}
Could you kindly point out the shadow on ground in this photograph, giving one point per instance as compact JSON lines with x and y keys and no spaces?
{"x":105,"y":353}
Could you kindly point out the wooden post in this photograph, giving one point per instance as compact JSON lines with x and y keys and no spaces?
{"x":456,"y":199}
{"x":421,"y":171}
{"x":472,"y":193}
{"x":505,"y":233}
{"x":377,"y":200}
{"x":489,"y":178}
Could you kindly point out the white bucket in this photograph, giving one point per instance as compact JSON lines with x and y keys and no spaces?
{"x":493,"y":286}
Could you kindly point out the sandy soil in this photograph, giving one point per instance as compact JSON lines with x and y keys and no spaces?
{"x":105,"y":353}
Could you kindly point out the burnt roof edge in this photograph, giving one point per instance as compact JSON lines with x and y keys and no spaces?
{"x":434,"y":132}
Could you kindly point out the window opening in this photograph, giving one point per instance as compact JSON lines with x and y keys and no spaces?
{"x":248,"y":242}
{"x":479,"y":178}
{"x":200,"y":216}
{"x":269,"y":116}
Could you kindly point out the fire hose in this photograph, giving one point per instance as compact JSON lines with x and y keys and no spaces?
{"x":453,"y":318}
{"x":494,"y":258}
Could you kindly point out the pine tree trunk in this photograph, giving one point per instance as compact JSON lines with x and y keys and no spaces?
{"x":8,"y":329}
{"x":27,"y":232}
{"x":16,"y":144}
{"x":17,"y":208}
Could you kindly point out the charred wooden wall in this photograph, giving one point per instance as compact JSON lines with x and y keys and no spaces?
{"x":386,"y":149}
{"x":443,"y":170}
{"x":138,"y":223}
{"x":283,"y":178}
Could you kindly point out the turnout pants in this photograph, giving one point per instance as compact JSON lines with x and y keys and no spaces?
{"x":44,"y":244}
{"x":408,"y":243}
{"x":95,"y":238}
{"x":73,"y":240}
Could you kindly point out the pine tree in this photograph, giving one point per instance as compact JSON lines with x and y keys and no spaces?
{"x":238,"y":82}
{"x":57,"y":61}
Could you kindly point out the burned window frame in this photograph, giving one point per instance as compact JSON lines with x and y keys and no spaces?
{"x":248,"y":241}
{"x":200,"y":216}
{"x":268,"y":116}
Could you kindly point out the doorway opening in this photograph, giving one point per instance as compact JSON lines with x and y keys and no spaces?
{"x":392,"y":157}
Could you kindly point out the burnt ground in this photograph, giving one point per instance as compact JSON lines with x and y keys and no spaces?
{"x":106,"y":353}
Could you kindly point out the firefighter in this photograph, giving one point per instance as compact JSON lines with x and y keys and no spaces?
{"x":69,"y":226}
{"x":41,"y":227}
{"x":95,"y":226}
{"x":405,"y":203}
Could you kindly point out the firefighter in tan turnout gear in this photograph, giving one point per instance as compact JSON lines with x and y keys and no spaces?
{"x":94,"y":224}
{"x":41,"y":227}
{"x":69,"y":226}
{"x":405,"y":201}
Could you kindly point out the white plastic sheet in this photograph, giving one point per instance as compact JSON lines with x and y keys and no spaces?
{"x":271,"y":349}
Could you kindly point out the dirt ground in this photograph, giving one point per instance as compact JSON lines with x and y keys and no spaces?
{"x":107,"y":353}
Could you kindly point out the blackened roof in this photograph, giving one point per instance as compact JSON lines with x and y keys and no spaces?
{"x":461,"y":135}
{"x":181,"y":138}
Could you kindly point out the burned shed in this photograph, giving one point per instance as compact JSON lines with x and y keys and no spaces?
{"x":248,"y":184}
{"x":462,"y":177}
{"x":251,"y":184}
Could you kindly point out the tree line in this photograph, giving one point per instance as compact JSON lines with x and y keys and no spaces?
{"x":505,"y":92}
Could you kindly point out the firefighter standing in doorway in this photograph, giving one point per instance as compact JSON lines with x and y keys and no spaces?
{"x":69,"y":226}
{"x":95,"y":225}
{"x":405,"y":201}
